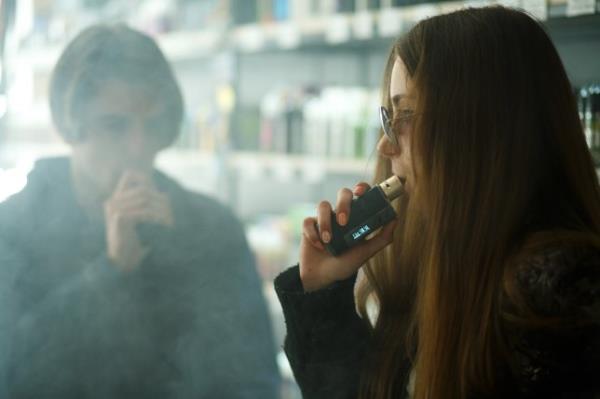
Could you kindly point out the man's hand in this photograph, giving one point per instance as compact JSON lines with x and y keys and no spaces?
{"x":134,"y":201}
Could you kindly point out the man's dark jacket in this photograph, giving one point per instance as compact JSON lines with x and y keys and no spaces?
{"x":189,"y":322}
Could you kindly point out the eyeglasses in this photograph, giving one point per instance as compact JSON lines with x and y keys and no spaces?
{"x":386,"y":124}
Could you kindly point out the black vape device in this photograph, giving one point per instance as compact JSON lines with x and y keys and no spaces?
{"x":367,"y":213}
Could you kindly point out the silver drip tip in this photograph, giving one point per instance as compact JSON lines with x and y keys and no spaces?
{"x":392,"y":188}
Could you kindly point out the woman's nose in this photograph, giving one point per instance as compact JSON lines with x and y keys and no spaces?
{"x":386,"y":148}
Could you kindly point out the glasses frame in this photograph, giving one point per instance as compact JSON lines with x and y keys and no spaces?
{"x":386,"y":123}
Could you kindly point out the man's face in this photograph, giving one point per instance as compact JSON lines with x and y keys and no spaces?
{"x":123,"y":129}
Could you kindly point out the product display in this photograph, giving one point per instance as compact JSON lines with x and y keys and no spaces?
{"x":588,"y":102}
{"x":337,"y":122}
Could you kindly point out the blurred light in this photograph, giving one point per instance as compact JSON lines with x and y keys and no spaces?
{"x":14,"y":180}
{"x":24,"y":18}
{"x":284,"y":366}
{"x":21,"y":90}
{"x":3,"y":105}
{"x":225,"y":98}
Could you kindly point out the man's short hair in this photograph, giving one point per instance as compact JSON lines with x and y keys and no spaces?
{"x":105,"y":52}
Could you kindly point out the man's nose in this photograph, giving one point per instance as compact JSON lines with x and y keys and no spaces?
{"x":136,"y":140}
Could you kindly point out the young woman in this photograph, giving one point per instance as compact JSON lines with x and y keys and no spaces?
{"x":115,"y":281}
{"x":489,"y":283}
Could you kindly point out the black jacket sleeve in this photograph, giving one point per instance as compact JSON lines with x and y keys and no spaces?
{"x":326,"y":339}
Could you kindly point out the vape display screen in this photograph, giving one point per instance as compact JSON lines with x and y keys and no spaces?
{"x":361,"y":232}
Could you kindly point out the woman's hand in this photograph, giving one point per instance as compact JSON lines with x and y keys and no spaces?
{"x":134,"y":201}
{"x":318,"y":268}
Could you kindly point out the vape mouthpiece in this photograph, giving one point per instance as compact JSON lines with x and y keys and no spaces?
{"x":392,"y":188}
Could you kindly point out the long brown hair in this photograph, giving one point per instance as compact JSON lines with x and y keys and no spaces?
{"x":499,"y":157}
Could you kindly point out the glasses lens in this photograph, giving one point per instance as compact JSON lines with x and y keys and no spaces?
{"x":386,"y":124}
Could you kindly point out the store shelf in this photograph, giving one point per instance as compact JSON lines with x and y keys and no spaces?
{"x":185,"y":45}
{"x":337,"y":28}
{"x":286,"y":166}
{"x":206,"y":172}
{"x":388,"y":22}
{"x":324,"y":31}
{"x":242,"y":159}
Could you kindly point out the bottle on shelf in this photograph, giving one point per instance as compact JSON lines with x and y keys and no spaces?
{"x":594,"y":105}
{"x":345,"y":6}
{"x":329,"y":122}
{"x":244,"y":11}
{"x":265,"y":11}
{"x":316,"y":127}
{"x":281,"y":10}
{"x":588,"y":104}
{"x":301,"y":10}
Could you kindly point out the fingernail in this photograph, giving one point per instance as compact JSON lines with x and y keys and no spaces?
{"x":342,"y":219}
{"x":326,"y":236}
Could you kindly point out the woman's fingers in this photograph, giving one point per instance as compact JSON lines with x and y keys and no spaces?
{"x":361,"y":188}
{"x":324,"y":221}
{"x":310,"y":232}
{"x":342,"y":207}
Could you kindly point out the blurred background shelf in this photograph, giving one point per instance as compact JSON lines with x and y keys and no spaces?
{"x":325,"y":30}
{"x":265,"y":83}
{"x":281,"y":95}
{"x":286,"y":165}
